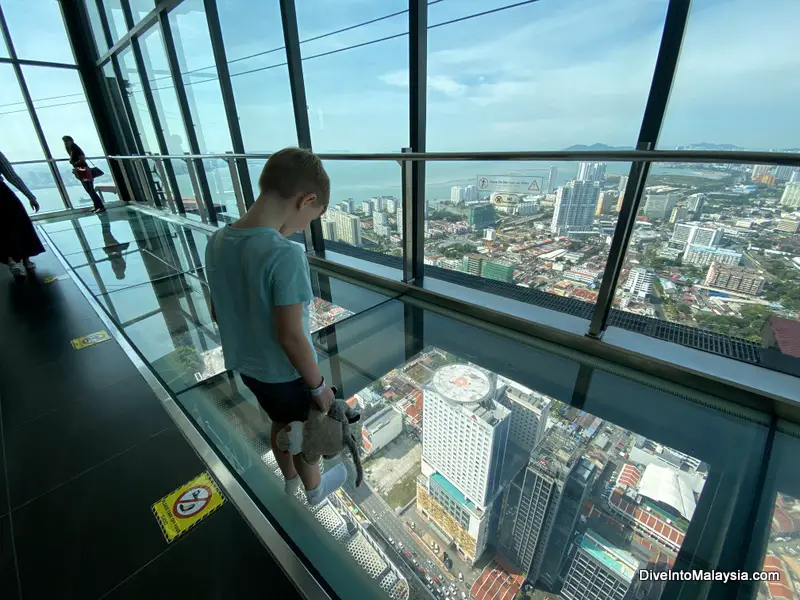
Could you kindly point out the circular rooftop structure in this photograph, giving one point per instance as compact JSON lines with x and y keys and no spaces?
{"x":462,"y":383}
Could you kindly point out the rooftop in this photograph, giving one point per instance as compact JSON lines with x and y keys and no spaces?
{"x":621,"y":562}
{"x":665,"y":484}
{"x":448,"y":487}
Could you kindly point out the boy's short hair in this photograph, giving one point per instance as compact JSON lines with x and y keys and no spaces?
{"x":294,"y":171}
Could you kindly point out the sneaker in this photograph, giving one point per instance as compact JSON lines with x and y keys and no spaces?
{"x":95,"y":211}
{"x":16,"y":270}
{"x":29,"y":264}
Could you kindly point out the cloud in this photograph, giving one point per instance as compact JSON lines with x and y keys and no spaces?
{"x":436,"y":83}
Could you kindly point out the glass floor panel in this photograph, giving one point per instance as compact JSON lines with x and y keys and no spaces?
{"x":493,"y":468}
{"x":123,"y":271}
{"x":534,"y":465}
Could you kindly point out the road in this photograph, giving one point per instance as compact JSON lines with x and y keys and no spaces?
{"x":386,"y":524}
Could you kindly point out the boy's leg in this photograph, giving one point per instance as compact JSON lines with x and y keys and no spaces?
{"x":284,"y":460}
{"x":319,"y":486}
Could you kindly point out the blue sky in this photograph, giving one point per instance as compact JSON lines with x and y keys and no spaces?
{"x":541,"y":76}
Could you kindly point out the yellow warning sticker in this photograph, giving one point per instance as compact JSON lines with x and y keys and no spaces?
{"x":182,"y":509}
{"x":57,"y":278}
{"x":90,"y":340}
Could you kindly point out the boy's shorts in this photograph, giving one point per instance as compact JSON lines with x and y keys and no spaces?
{"x":283,"y":402}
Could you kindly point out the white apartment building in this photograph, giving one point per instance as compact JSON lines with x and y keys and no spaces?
{"x":640,"y":282}
{"x":697,"y":235}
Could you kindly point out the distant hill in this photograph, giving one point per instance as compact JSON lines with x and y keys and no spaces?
{"x":709,"y":146}
{"x":595,"y":148}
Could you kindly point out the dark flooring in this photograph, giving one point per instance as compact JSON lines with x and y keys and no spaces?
{"x":85,"y":449}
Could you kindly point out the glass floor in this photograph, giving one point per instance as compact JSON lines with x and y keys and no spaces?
{"x":493,"y":468}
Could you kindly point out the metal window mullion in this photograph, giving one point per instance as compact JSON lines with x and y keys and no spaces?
{"x":37,"y":126}
{"x":291,"y":38}
{"x":414,"y":198}
{"x":657,"y":100}
{"x":188,"y":123}
{"x":228,"y":99}
{"x":147,"y":90}
{"x":105,"y":25}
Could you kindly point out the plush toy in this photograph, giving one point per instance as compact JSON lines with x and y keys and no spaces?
{"x":323,"y":435}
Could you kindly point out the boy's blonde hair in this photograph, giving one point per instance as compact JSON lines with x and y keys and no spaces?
{"x":294,"y":171}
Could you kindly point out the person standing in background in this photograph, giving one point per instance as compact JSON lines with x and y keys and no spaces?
{"x":18,"y":238}
{"x":83,"y":172}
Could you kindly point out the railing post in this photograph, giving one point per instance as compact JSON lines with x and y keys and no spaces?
{"x":201,"y":208}
{"x":313,"y":233}
{"x":237,"y":184}
{"x":162,"y":175}
{"x":663,"y":76}
{"x":414,"y":214}
{"x":186,"y":115}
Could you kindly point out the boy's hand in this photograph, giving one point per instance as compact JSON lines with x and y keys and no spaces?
{"x":324,"y":400}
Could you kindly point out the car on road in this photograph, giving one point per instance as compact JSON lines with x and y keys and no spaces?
{"x":421,"y":571}
{"x":408,"y":555}
{"x":391,"y":541}
{"x":461,"y":577}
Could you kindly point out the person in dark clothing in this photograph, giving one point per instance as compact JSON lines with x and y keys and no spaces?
{"x":18,"y":239}
{"x":83,"y":172}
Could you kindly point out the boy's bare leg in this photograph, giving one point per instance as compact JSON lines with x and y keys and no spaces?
{"x":284,"y":459}
{"x":309,"y":474}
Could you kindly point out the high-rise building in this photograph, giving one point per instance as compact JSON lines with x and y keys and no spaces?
{"x":574,"y":208}
{"x":488,"y":234}
{"x":783,"y":172}
{"x":704,"y":256}
{"x":735,"y":279}
{"x":640,"y":282}
{"x":499,"y":270}
{"x":679,"y":214}
{"x":463,"y":454}
{"x":480,"y":216}
{"x":599,"y":571}
{"x":795,"y":178}
{"x":382,"y":229}
{"x":348,"y":227}
{"x":472,"y":264}
{"x":788,"y":225}
{"x":791,"y":195}
{"x":530,"y":412}
{"x":659,"y":206}
{"x":552,"y":174}
{"x":591,"y":171}
{"x":366,"y":208}
{"x":697,"y":235}
{"x":470,"y":193}
{"x":605,"y":200}
{"x":623,"y":183}
{"x":533,"y":499}
{"x":398,"y":215}
{"x":328,"y":229}
{"x":377,"y":203}
{"x":381,"y":218}
{"x":619,"y":201}
{"x":390,"y":205}
{"x":760,"y":171}
{"x":456,"y":194}
{"x":694,"y":204}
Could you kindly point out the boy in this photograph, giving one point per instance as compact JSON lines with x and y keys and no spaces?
{"x":260,"y":292}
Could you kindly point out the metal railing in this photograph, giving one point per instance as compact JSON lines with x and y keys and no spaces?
{"x":138,"y":183}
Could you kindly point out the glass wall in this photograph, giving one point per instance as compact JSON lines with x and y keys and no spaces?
{"x":37,"y":31}
{"x":713,"y":249}
{"x":541,"y":75}
{"x":355,"y":67}
{"x":256,"y":55}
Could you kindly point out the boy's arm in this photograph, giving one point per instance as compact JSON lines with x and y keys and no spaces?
{"x":293,"y":340}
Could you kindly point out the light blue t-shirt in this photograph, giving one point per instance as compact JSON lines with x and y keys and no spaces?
{"x":251,"y":271}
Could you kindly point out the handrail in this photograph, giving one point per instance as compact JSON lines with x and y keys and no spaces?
{"x":659,"y":156}
{"x":699,"y":156}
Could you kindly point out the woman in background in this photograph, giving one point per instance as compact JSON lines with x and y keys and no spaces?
{"x":18,"y":239}
{"x":82,"y":171}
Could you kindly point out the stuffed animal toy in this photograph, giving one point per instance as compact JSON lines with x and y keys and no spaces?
{"x":323,"y":435}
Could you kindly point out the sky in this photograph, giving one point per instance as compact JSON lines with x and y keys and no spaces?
{"x":542,"y":76}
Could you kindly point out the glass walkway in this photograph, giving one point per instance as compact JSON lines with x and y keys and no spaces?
{"x":496,"y":466}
